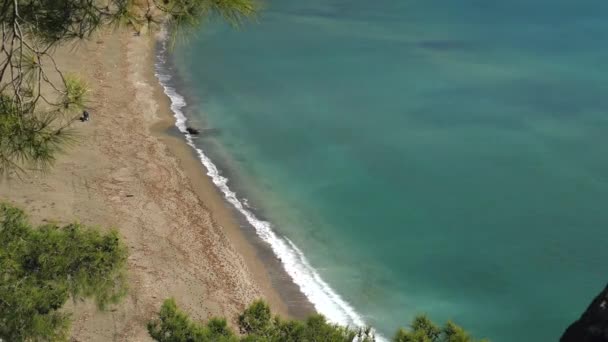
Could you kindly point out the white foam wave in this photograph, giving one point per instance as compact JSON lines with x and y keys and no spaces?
{"x":325,"y":300}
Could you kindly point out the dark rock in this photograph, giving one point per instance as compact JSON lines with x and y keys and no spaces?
{"x":192,"y":131}
{"x":593,"y":324}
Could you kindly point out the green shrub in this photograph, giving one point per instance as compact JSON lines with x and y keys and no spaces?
{"x":257,"y":324}
{"x":423,"y":330}
{"x":173,"y":325}
{"x":43,"y":267}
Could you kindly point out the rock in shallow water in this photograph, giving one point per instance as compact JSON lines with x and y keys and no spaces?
{"x":192,"y":131}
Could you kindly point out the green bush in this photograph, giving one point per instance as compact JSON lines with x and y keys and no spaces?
{"x":256,"y":324}
{"x":424,"y":330}
{"x":173,"y":325}
{"x":43,"y":267}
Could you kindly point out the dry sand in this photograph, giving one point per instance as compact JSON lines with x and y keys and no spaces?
{"x":125,"y":172}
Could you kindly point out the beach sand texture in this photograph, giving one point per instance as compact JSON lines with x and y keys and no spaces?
{"x":125,"y":172}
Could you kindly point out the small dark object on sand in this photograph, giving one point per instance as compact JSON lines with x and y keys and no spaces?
{"x":85,"y":116}
{"x":192,"y":131}
{"x":130,"y":195}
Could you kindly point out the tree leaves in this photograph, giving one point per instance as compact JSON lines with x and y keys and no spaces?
{"x":43,"y":267}
{"x":424,"y":330}
{"x":173,"y":325}
{"x":256,"y":324}
{"x":31,"y":29}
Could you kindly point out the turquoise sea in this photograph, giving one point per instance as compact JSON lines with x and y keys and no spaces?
{"x":416,"y":156}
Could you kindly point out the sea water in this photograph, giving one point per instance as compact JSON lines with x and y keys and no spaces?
{"x":420,"y":156}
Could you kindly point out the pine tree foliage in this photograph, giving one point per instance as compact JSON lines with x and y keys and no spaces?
{"x":256,"y":324}
{"x":43,"y":267}
{"x":38,"y":103}
{"x":173,"y":325}
{"x":423,"y":329}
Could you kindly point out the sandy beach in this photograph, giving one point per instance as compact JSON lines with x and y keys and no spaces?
{"x":126,"y":172}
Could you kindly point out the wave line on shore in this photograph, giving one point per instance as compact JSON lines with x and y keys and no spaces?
{"x":325,"y":300}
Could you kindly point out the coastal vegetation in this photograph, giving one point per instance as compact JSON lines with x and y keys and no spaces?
{"x":43,"y":267}
{"x":257,"y":324}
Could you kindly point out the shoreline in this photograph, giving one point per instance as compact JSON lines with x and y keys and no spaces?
{"x":128,"y":171}
{"x":283,"y":295}
{"x":286,"y":259}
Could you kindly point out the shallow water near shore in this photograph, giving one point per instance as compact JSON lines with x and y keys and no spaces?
{"x":422,"y":156}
